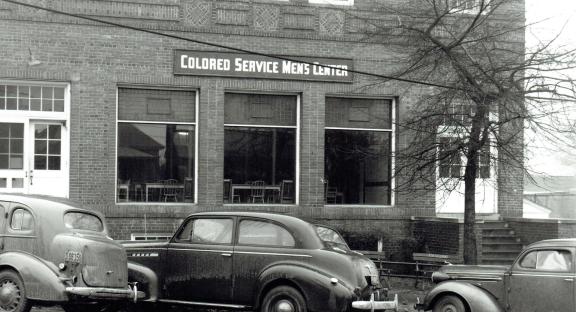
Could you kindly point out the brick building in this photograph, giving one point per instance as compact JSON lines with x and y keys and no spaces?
{"x":148,"y":129}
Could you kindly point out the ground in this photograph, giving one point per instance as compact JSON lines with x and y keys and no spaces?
{"x":408,"y":294}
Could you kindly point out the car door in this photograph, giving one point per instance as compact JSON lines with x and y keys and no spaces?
{"x":198,"y":261}
{"x":543,"y":280}
{"x":259,"y":244}
{"x":3,"y":210}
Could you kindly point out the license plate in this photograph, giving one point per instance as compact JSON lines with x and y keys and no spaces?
{"x":73,"y":256}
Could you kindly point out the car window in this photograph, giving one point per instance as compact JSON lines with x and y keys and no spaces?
{"x":22,"y":220}
{"x":331,"y":237}
{"x":264,"y":233}
{"x":548,"y":260}
{"x":83,"y":221}
{"x":207,"y":231}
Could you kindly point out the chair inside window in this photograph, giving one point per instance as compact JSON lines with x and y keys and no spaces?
{"x":287,"y":191}
{"x":188,"y":189}
{"x":170,"y":190}
{"x":123,"y":191}
{"x":332,"y":195}
{"x":257,"y":191}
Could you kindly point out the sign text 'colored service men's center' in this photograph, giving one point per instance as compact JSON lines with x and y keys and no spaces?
{"x":256,"y":66}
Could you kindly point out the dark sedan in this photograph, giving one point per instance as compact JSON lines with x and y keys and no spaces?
{"x":262,"y":261}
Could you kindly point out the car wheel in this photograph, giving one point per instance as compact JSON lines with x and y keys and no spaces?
{"x":449,"y":304}
{"x":283,"y":299}
{"x":12,"y":293}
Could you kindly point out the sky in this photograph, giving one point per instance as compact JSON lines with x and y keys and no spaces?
{"x":549,"y":18}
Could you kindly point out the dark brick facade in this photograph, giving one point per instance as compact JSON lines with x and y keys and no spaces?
{"x":96,"y":60}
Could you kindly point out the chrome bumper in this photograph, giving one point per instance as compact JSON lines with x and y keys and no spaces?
{"x":106,"y":293}
{"x":376,"y":305}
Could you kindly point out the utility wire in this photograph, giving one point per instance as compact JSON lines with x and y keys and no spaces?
{"x":224,"y":46}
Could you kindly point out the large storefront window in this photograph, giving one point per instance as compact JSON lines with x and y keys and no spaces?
{"x":260,"y":148}
{"x":156,"y":145}
{"x":357,"y":151}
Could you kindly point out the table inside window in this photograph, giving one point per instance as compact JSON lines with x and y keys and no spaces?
{"x":158,"y":185}
{"x":235,"y":187}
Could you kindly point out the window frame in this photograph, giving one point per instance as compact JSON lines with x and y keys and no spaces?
{"x":296,"y":141}
{"x":392,"y":132}
{"x":237,"y":234}
{"x":195,"y":124}
{"x":18,"y":208}
{"x":475,"y":10}
{"x":233,"y":237}
{"x":519,"y":267}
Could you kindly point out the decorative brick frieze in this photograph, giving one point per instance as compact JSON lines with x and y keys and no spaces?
{"x":332,"y":22}
{"x":136,"y":10}
{"x":299,"y":19}
{"x":266,"y":17}
{"x":226,"y":14}
{"x":196,"y":13}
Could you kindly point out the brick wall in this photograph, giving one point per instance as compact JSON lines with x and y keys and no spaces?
{"x":97,"y":59}
{"x":533,"y":230}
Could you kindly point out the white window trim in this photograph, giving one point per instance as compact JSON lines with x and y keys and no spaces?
{"x":297,"y":142}
{"x":392,"y":130}
{"x":470,"y":11}
{"x":333,"y":2}
{"x":195,"y":124}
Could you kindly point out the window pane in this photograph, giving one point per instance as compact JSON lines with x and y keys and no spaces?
{"x":4,"y":146}
{"x":54,"y":131}
{"x":17,"y":182}
{"x":16,"y":221}
{"x":23,"y":104}
{"x":41,"y":131}
{"x":2,"y":102}
{"x":357,"y":167}
{"x":35,"y":92}
{"x":155,"y":162}
{"x":53,"y":162}
{"x":358,"y":113}
{"x":40,"y":162}
{"x":212,"y":231}
{"x":40,"y":147}
{"x":59,"y":93}
{"x":260,"y":154}
{"x":259,"y":109}
{"x":11,"y":91}
{"x":83,"y":221}
{"x":4,"y":130}
{"x":554,"y":260}
{"x":58,"y":105}
{"x":4,"y":164}
{"x":35,"y":105}
{"x":11,"y":104}
{"x":17,"y":130}
{"x":156,"y":105}
{"x":16,"y":146}
{"x":16,"y":161}
{"x":54,"y":147}
{"x":264,"y":233}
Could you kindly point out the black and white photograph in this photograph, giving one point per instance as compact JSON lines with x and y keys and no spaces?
{"x":287,"y":155}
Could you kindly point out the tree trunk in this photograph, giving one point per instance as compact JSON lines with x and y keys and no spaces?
{"x":470,"y":250}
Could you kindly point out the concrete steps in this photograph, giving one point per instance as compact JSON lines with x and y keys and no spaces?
{"x":500,"y":246}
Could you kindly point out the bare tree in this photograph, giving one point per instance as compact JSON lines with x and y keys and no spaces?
{"x":491,"y":88}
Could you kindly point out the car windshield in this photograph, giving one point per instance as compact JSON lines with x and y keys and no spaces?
{"x":83,"y":221}
{"x":331,"y":238}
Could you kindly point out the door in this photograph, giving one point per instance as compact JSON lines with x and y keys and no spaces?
{"x":261,"y":243}
{"x":13,"y":165}
{"x":198,"y":262}
{"x":47,"y":159}
{"x":543,"y":280}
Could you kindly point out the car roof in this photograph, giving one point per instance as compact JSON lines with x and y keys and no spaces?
{"x":561,"y":242}
{"x":49,"y":204}
{"x":281,"y":218}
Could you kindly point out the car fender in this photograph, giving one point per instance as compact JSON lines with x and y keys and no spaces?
{"x":478,"y":299}
{"x":321,"y":293}
{"x":40,"y":278}
{"x":146,"y":279}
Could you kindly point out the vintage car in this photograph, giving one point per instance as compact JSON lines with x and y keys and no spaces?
{"x":53,"y":252}
{"x":261,"y":261}
{"x":540,"y":279}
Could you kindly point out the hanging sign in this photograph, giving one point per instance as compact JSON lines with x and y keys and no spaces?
{"x":201,"y":63}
